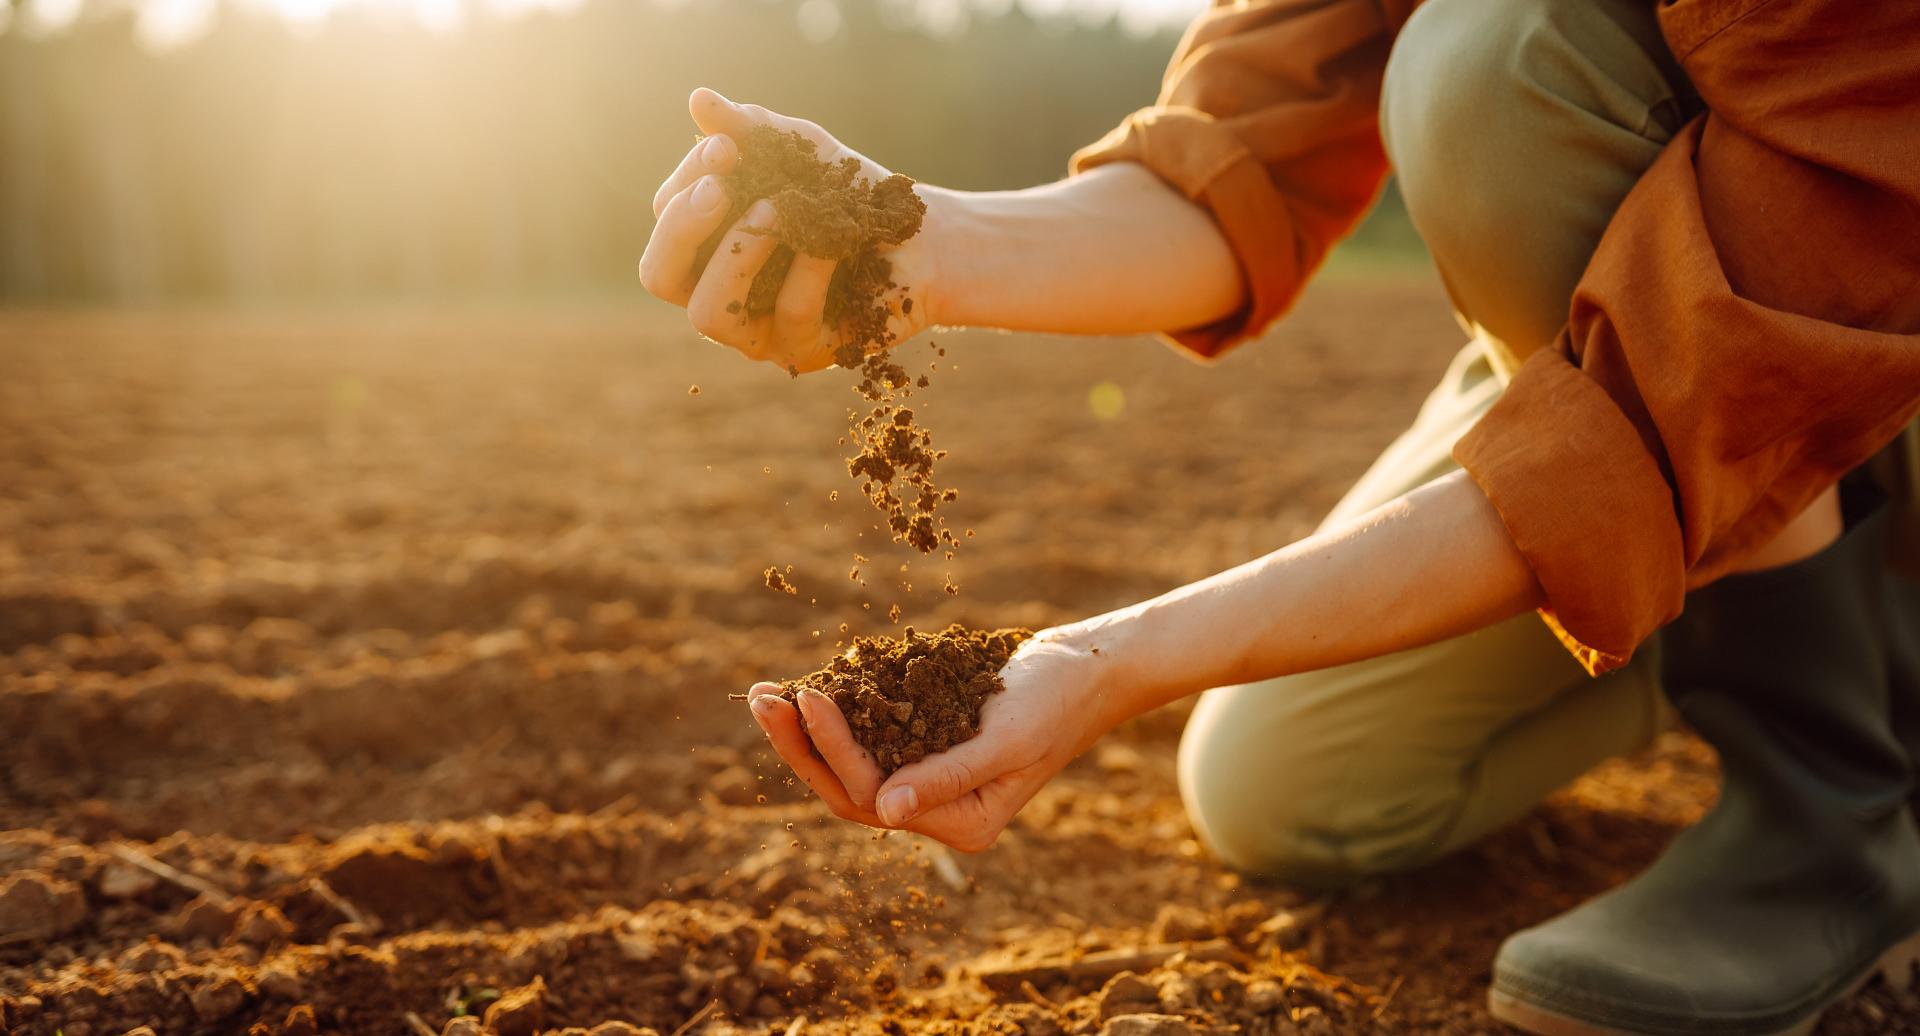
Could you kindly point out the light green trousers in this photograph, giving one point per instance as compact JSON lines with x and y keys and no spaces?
{"x":1516,"y":127}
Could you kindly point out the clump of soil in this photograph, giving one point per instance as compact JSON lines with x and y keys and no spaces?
{"x":830,"y":211}
{"x":777,"y":580}
{"x":909,"y":698}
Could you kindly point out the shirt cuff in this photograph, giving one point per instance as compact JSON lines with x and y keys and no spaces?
{"x":1212,"y":168}
{"x":1586,"y":504}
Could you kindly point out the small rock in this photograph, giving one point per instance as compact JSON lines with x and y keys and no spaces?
{"x":464,"y":1025}
{"x":519,"y":1011}
{"x":1177,"y":923}
{"x":262,"y":925}
{"x":1032,"y":1019}
{"x":1127,"y":993}
{"x":620,"y":1029}
{"x":122,"y":880}
{"x":205,"y":918}
{"x":1179,"y":995}
{"x":152,"y":956}
{"x":218,"y":997}
{"x":1147,"y":1025}
{"x":36,"y":906}
{"x":1265,"y":996}
{"x":279,"y":984}
{"x":1286,"y":930}
{"x":300,"y":1022}
{"x":19,"y":1011}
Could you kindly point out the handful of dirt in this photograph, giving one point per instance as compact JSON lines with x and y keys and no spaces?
{"x":909,"y":698}
{"x":829,"y":211}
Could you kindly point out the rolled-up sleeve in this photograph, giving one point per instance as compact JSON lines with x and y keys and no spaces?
{"x":1268,"y":118}
{"x":1747,"y":332}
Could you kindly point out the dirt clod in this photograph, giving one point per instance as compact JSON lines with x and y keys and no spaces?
{"x":909,"y":698}
{"x":39,"y":906}
{"x":1147,"y":1025}
{"x":519,"y":1012}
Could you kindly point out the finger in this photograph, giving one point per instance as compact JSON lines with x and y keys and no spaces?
{"x":781,"y":722}
{"x":939,"y":779}
{"x":718,"y":304}
{"x":851,"y":763}
{"x":714,"y":113}
{"x":716,"y":155}
{"x":800,"y":341}
{"x":667,"y":265}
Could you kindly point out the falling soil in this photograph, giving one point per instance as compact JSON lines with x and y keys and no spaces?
{"x":909,"y":698}
{"x":777,"y":580}
{"x":828,"y":210}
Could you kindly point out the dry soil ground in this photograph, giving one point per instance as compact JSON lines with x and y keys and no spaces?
{"x":365,"y":669}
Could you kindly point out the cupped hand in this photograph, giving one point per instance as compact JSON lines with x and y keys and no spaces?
{"x":1050,"y":712}
{"x":690,"y":207}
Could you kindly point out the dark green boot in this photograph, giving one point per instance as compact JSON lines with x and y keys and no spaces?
{"x":1805,"y":876}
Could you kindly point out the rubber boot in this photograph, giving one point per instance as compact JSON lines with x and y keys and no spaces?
{"x":1805,"y":876}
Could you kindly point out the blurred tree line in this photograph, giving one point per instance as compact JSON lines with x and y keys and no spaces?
{"x":370,"y":156}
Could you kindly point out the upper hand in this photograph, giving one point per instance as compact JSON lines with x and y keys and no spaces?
{"x":689,"y":208}
{"x":967,"y":795}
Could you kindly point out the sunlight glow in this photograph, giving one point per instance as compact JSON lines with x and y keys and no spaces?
{"x":169,"y":24}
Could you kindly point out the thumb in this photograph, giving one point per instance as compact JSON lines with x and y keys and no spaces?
{"x":937,"y":780}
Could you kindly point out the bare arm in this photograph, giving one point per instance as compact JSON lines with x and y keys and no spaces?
{"x":1433,"y":564}
{"x":1113,"y":251}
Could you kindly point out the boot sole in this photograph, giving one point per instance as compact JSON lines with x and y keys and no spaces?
{"x":1895,"y":965}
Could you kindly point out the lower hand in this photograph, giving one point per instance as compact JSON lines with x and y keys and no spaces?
{"x":1053,"y":708}
{"x":690,"y":207}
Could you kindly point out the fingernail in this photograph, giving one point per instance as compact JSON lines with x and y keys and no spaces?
{"x":899,"y":805}
{"x":711,"y":151}
{"x":708,"y":195}
{"x":762,"y":704}
{"x":760,"y":217}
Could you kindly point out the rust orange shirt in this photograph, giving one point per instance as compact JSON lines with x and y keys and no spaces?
{"x":1748,"y":329}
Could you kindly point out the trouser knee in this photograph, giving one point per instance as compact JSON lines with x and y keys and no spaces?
{"x":1516,"y":127}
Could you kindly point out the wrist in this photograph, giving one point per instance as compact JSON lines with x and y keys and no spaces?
{"x":1118,"y":684}
{"x":953,"y":243}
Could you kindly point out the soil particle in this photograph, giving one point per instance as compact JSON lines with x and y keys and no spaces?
{"x":122,"y":880}
{"x":776,"y":580}
{"x":909,"y":698}
{"x":218,"y":998}
{"x":205,"y":918}
{"x":300,"y":1022}
{"x":36,"y":906}
{"x":262,"y":925}
{"x":519,"y":1012}
{"x":1147,"y":1025}
{"x":1180,"y":923}
{"x":1127,"y":993}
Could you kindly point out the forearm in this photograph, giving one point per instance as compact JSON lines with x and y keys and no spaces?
{"x":1434,"y":564}
{"x":1112,"y":251}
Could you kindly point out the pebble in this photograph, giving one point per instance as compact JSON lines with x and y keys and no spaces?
{"x":36,"y":906}
{"x":518,"y":1012}
{"x":1127,"y":993}
{"x":1147,"y":1025}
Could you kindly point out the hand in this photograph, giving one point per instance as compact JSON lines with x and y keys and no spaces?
{"x":1050,"y":712}
{"x":689,"y":208}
